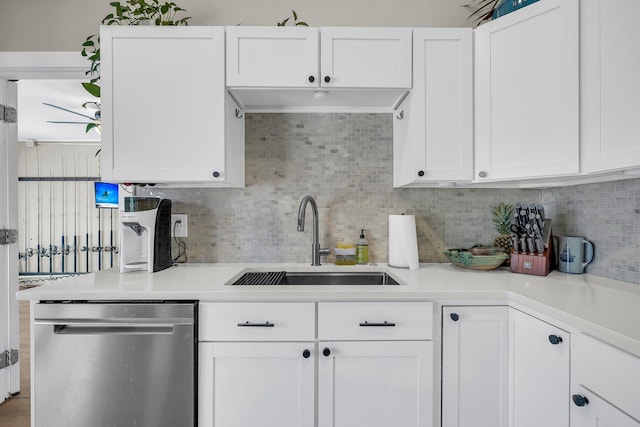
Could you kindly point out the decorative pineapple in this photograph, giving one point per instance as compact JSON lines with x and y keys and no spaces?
{"x":501,"y":218}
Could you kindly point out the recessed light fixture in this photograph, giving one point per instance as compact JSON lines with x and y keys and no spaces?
{"x":320,"y":94}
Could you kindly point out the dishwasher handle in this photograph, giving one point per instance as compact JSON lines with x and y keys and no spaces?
{"x":83,"y":328}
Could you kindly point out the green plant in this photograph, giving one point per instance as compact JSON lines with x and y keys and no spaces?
{"x":130,"y":12}
{"x":294,"y":22}
{"x":482,"y":10}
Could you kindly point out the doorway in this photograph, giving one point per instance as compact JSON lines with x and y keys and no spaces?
{"x":15,"y":66}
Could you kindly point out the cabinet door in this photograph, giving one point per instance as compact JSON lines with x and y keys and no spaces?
{"x":539,"y":372}
{"x":256,"y":384}
{"x":272,"y":56}
{"x":474,"y":366}
{"x":365,"y":57}
{"x":234,"y":143}
{"x":375,"y":384}
{"x":437,"y":143}
{"x":609,"y":372}
{"x":527,"y":93}
{"x":597,"y":412}
{"x":610,"y":89}
{"x":163,"y":103}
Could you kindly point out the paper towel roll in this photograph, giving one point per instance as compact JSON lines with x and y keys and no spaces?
{"x":403,"y":242}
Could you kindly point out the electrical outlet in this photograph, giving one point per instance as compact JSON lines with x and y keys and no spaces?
{"x":179,"y":225}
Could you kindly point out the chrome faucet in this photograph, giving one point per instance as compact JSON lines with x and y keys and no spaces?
{"x":316,"y":252}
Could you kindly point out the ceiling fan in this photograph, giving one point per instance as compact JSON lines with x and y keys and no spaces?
{"x":92,"y":123}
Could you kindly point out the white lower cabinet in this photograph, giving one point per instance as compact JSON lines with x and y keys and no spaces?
{"x":256,"y":364}
{"x":474,"y":366}
{"x":503,"y":367}
{"x":605,"y":385}
{"x":375,"y":384}
{"x":256,"y":384}
{"x":375,"y":364}
{"x":538,"y":373}
{"x":259,"y":363}
{"x":597,"y":412}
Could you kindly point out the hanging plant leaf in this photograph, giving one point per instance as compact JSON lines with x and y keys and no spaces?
{"x":92,"y":88}
{"x":92,"y":126}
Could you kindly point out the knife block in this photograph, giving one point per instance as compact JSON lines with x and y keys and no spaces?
{"x":538,"y":265}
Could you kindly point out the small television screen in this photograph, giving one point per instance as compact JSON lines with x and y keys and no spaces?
{"x":106,"y":195}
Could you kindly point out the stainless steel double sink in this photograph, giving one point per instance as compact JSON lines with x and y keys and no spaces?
{"x":297,"y":278}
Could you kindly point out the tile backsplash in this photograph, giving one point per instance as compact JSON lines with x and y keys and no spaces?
{"x":345,"y":162}
{"x":608,"y":214}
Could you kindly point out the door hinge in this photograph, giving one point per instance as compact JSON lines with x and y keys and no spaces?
{"x":8,"y":236}
{"x":9,"y":358}
{"x":8,"y":114}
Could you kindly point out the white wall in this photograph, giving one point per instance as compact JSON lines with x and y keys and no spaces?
{"x":62,"y":25}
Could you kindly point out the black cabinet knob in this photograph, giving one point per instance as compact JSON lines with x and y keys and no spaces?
{"x":216,"y":174}
{"x":326,"y":352}
{"x":579,"y":400}
{"x":327,"y":79}
{"x":420,"y":173}
{"x":554,"y":339}
{"x":306,"y":353}
{"x":312,"y":79}
{"x":454,"y":317}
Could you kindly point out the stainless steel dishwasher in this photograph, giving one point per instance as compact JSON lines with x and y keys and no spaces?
{"x":114,"y":364}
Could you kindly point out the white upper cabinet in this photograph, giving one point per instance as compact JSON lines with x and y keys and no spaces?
{"x":310,"y":58}
{"x":165,"y":115}
{"x":527,"y":93}
{"x":610,"y":88}
{"x":293,"y":57}
{"x":433,"y":129}
{"x":365,"y":57}
{"x":272,"y":56}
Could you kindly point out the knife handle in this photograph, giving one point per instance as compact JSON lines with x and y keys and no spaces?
{"x":514,"y":243}
{"x":530,"y":245}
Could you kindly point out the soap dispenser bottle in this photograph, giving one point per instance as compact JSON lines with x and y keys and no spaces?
{"x":362,"y":249}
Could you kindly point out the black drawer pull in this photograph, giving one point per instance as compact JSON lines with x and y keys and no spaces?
{"x":579,"y":400}
{"x":555,"y":339}
{"x":385,"y":323}
{"x":257,"y":325}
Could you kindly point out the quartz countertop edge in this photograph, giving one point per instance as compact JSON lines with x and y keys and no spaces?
{"x":603,"y":308}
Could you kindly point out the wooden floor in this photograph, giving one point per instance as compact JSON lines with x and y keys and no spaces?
{"x":16,"y":411}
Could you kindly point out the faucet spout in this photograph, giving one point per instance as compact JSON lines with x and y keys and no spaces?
{"x":315,"y":246}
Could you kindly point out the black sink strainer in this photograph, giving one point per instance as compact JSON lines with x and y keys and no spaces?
{"x":260,"y":278}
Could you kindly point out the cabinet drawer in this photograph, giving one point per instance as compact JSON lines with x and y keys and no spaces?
{"x":375,"y":321}
{"x":257,"y":321}
{"x":611,"y":373}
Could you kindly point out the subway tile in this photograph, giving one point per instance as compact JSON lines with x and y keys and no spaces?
{"x":345,"y":162}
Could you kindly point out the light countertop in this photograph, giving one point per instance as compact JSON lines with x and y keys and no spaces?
{"x":604,"y":308}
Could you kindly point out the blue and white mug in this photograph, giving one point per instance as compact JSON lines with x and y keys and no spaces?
{"x":574,"y":254}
